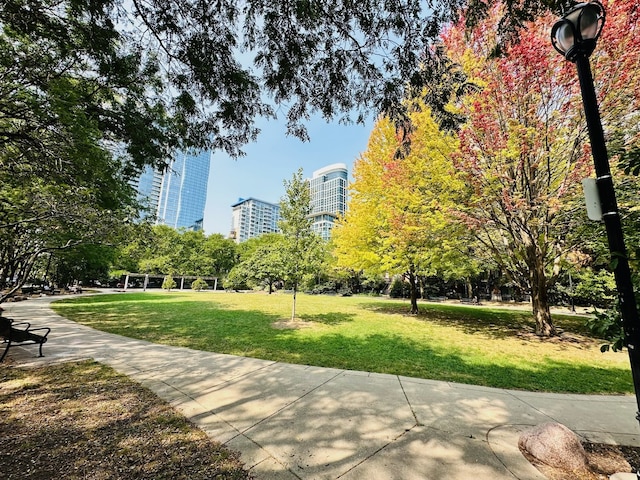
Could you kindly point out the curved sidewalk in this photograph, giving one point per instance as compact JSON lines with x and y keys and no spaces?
{"x":303,"y":422}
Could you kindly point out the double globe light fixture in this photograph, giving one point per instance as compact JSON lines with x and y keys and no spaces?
{"x":577,"y":32}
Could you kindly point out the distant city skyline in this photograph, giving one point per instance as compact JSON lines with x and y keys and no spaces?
{"x":252,"y":217}
{"x":273,"y":159}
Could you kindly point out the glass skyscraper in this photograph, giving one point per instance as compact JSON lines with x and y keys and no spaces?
{"x":148,"y":187}
{"x":177,"y":197}
{"x":328,"y":187}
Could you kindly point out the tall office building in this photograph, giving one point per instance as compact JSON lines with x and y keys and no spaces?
{"x":148,"y":186}
{"x":328,"y":187}
{"x":177,"y":197}
{"x":252,"y":217}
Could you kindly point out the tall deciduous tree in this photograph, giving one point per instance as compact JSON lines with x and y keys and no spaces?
{"x":39,"y":218}
{"x":220,"y":255}
{"x":161,"y":73}
{"x":523,"y":149}
{"x":398,"y":219}
{"x":356,"y":238}
{"x":261,"y":262}
{"x":66,"y":93}
{"x":616,"y":71}
{"x":519,"y":155}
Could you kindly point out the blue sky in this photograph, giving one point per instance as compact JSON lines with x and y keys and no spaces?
{"x":273,"y":158}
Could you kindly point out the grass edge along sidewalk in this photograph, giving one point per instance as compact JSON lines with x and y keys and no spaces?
{"x":465,"y":344}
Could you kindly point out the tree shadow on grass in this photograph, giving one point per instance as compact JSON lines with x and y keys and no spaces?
{"x":396,"y":355}
{"x":492,"y":322}
{"x":499,"y":323}
{"x":120,"y":298}
{"x":330,"y":318}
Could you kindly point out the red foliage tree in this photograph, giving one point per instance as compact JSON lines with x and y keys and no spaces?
{"x":524,"y":146}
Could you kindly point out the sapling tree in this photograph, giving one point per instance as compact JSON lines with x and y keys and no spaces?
{"x":299,"y":252}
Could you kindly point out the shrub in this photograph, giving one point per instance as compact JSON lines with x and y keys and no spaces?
{"x":168,"y":283}
{"x":397,"y":289}
{"x":595,"y":288}
{"x":199,"y":284}
{"x":236,"y":279}
{"x":328,"y":287}
{"x":608,"y":326}
{"x":374,"y":284}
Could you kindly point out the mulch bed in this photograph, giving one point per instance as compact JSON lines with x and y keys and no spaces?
{"x":604,"y":460}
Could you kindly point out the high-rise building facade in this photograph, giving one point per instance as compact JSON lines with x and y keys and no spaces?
{"x":252,"y":217}
{"x":148,"y":186}
{"x":328,"y":188}
{"x":177,"y":197}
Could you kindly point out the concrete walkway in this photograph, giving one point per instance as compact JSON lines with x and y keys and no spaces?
{"x":301,"y":422}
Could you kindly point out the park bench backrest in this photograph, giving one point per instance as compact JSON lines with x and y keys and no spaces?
{"x":5,"y":327}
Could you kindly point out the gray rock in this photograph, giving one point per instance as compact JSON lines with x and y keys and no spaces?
{"x":555,"y":445}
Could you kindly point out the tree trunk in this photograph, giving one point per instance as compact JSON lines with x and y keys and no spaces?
{"x":293,"y":310}
{"x":539,"y":297}
{"x":413,"y":291}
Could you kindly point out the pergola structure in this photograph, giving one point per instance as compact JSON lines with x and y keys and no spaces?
{"x":147,"y":276}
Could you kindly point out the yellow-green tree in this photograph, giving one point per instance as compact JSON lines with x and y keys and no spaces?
{"x":356,"y":240}
{"x":399,"y":219}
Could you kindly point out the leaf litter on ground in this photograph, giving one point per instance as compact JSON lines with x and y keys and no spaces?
{"x":84,"y":420}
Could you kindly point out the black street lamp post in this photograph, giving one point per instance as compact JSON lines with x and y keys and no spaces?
{"x":575,"y":36}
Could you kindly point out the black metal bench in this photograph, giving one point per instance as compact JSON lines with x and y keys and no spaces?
{"x":437,"y":299}
{"x":470,"y":301}
{"x":21,"y":333}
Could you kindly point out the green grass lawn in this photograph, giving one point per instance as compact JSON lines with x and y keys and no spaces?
{"x":467,"y":344}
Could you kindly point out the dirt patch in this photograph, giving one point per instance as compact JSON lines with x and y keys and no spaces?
{"x":292,"y":324}
{"x":83,"y":420}
{"x":604,"y":460}
{"x":563,"y":338}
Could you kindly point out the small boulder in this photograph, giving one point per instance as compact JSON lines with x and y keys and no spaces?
{"x":623,"y":476}
{"x":555,"y":445}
